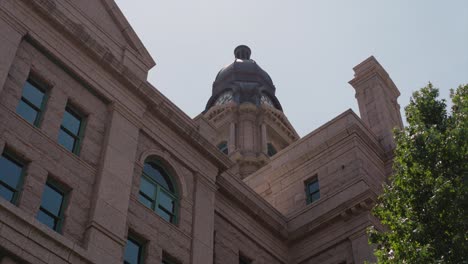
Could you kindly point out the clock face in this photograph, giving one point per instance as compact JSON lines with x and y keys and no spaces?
{"x":266,"y":100}
{"x":224,"y":98}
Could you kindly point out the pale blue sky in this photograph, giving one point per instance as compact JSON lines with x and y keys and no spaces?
{"x":308,"y":47}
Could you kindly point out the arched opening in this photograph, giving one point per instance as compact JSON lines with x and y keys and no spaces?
{"x":158,"y":190}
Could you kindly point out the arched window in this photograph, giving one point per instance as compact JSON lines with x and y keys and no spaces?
{"x":223,"y":147}
{"x":271,"y":150}
{"x":158,"y":191}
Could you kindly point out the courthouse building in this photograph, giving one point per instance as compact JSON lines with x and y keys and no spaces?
{"x":97,"y":166}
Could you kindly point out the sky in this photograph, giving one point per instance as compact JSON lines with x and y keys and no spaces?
{"x":308,"y":47}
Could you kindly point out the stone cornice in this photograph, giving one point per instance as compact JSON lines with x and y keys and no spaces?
{"x":157,"y":103}
{"x":253,"y":203}
{"x":361,"y":202}
{"x":370,"y":68}
{"x":281,"y":122}
{"x":24,"y":225}
{"x":354,"y":126}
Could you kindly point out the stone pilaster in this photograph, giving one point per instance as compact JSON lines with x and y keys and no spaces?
{"x":108,"y":221}
{"x":362,"y":251}
{"x":203,"y":221}
{"x":10,"y":37}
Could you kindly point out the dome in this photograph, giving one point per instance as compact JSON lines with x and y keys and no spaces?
{"x":244,"y":76}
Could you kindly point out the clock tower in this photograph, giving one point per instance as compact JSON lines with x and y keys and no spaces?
{"x":248,"y":118}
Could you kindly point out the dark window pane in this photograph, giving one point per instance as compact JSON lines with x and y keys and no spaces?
{"x":166,"y":202}
{"x":26,"y":112}
{"x":243,"y":260}
{"x":315,"y":196}
{"x":6,"y":193}
{"x":223,"y":147}
{"x":147,"y":202}
{"x":71,"y":122}
{"x":46,"y":219}
{"x":66,"y":140}
{"x":33,"y":94}
{"x":132,"y":252}
{"x":313,"y":186}
{"x":10,"y":172}
{"x":52,"y":200}
{"x":158,"y":175}
{"x":147,"y":188}
{"x":164,"y":214}
{"x":271,"y":150}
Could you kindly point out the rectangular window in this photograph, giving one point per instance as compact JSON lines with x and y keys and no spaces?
{"x":32,"y":103}
{"x":312,"y":190}
{"x":133,"y":252}
{"x":71,"y":130}
{"x":11,"y":177}
{"x":244,"y":260}
{"x":52,"y":207}
{"x":168,"y":259}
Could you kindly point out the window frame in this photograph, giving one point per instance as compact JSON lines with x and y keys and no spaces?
{"x":40,"y":111}
{"x":223,"y":147}
{"x":142,"y":245}
{"x":65,"y":196}
{"x":271,"y":148}
{"x":309,"y":194}
{"x":155,"y":204}
{"x":78,"y":138}
{"x":15,"y":159}
{"x":244,"y":260}
{"x":168,"y":259}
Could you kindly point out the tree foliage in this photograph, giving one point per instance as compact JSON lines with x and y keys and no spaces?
{"x":424,"y":207}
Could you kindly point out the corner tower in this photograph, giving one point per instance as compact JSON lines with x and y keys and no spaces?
{"x":248,"y":118}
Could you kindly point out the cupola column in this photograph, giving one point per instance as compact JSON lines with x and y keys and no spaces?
{"x":264,"y":139}
{"x":232,"y":138}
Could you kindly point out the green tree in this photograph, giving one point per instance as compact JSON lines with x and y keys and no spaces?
{"x":424,"y":206}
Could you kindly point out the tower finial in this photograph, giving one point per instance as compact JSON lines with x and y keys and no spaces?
{"x":242,"y":52}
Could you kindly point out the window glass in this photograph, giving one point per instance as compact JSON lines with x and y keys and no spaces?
{"x":158,"y":175}
{"x":223,"y":147}
{"x":10,"y":171}
{"x":50,"y":212}
{"x":46,"y":219}
{"x":70,"y":130}
{"x":67,"y":140}
{"x":157,"y":191}
{"x":10,"y":177}
{"x":164,"y":214}
{"x":147,"y":188}
{"x":27,"y":112}
{"x":6,"y":193}
{"x":271,"y":150}
{"x":313,"y":186}
{"x":71,"y":122}
{"x":315,"y":196}
{"x":132,"y":252}
{"x":166,"y":201}
{"x":33,"y":94}
{"x":147,"y":202}
{"x":244,"y":260}
{"x":31,"y":103}
{"x":313,"y":191}
{"x":52,"y":200}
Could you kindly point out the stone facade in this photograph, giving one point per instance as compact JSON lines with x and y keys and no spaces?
{"x":249,"y":203}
